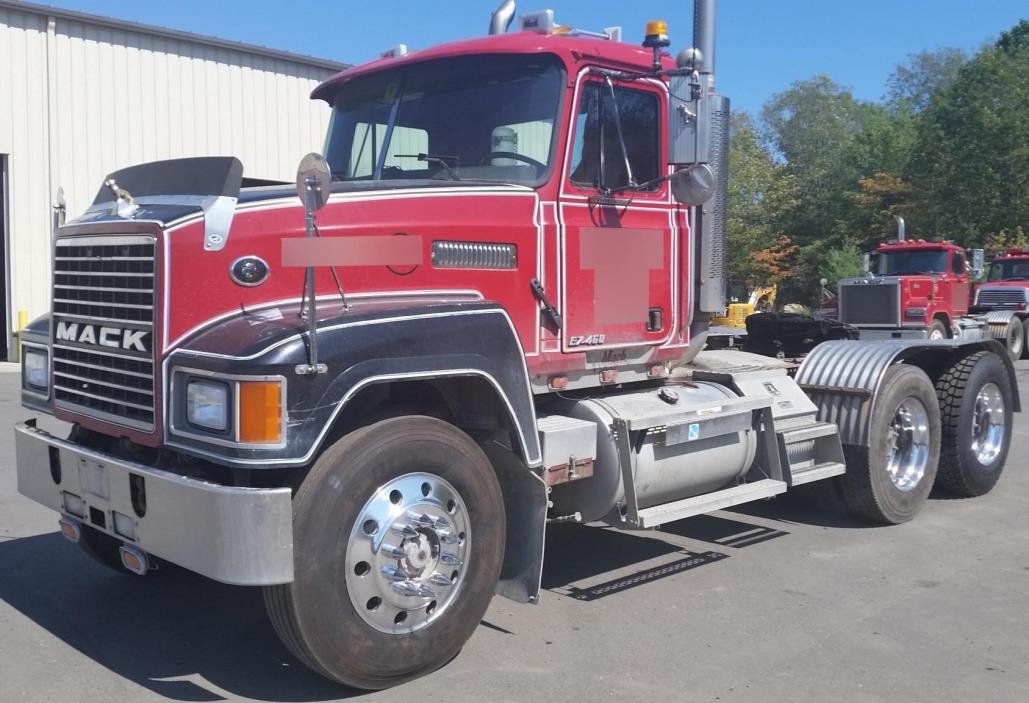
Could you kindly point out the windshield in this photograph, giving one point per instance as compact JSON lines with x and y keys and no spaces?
{"x":1012,"y":270}
{"x":477,"y":118}
{"x":899,"y":263}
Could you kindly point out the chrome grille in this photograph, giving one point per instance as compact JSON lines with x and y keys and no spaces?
{"x":103,"y":318}
{"x":998,"y":297}
{"x":870,"y":303}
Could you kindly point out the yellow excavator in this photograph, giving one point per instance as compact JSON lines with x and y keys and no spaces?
{"x":759,"y":299}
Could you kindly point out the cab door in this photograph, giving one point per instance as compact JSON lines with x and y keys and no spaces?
{"x":958,"y":283}
{"x":617,"y":240}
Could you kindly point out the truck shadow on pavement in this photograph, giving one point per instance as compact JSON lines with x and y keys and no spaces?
{"x":181,"y":636}
{"x":187,"y":638}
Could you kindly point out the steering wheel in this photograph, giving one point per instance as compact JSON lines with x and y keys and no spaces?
{"x":512,"y":155}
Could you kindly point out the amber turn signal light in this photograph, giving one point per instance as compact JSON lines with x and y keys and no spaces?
{"x":260,"y":412}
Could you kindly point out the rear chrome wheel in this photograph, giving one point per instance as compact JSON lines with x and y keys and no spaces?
{"x":406,"y":553}
{"x":907,"y":444}
{"x":988,"y":424}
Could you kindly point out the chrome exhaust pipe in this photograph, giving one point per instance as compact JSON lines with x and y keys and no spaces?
{"x":901,"y":229}
{"x":502,"y":17}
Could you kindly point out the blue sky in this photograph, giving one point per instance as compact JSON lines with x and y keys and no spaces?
{"x":763,"y":46}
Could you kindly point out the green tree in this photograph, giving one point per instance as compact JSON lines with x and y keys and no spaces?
{"x":760,"y":192}
{"x":970,"y":169}
{"x":841,"y":262}
{"x":813,"y":125}
{"x":913,"y":83}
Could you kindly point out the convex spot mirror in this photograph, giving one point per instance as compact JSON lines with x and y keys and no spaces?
{"x":693,"y":185}
{"x":314,"y":181}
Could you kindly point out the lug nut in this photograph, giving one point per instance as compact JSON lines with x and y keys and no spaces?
{"x":450,"y":559}
{"x":394,"y":551}
{"x":405,"y":531}
{"x":440,"y":580}
{"x":393,"y":573}
{"x":410,"y":588}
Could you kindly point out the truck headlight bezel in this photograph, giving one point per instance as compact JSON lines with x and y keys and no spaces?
{"x":35,"y":370}
{"x":237,"y":410}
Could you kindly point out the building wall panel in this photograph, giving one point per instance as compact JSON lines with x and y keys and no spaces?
{"x":84,"y":99}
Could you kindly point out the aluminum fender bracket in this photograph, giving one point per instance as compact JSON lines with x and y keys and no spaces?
{"x":236,"y":535}
{"x":842,"y":377}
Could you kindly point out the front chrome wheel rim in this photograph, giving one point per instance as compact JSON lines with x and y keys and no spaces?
{"x":937,"y":334}
{"x":406,"y":554}
{"x":907,"y":445}
{"x":988,"y":424}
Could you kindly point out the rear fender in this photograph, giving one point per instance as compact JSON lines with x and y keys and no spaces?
{"x":842,"y":378}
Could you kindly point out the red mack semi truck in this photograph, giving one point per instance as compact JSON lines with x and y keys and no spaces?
{"x":922,"y":288}
{"x":483,"y":309}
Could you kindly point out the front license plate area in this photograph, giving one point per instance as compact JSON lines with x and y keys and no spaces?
{"x":93,"y":478}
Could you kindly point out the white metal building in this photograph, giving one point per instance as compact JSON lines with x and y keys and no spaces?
{"x":81,"y":96}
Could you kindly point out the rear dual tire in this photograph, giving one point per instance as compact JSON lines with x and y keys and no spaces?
{"x":1015,"y":341}
{"x":889,"y":480}
{"x":976,"y":404}
{"x":353,"y":612}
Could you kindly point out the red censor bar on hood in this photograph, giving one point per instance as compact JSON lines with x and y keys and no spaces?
{"x":352,"y":250}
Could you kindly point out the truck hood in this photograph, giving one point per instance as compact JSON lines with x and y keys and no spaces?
{"x":174,"y":190}
{"x":206,"y":219}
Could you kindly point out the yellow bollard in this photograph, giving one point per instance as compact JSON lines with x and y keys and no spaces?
{"x":23,"y":321}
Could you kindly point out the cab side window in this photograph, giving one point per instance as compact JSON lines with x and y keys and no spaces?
{"x":957,"y":264}
{"x":597,"y":157}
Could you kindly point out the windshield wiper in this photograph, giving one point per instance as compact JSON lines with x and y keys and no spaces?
{"x":439,"y":159}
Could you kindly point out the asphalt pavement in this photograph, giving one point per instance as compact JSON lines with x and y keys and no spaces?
{"x":774,"y":601}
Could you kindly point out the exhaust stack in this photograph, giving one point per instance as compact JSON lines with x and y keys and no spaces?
{"x":704,"y":38}
{"x":502,"y":17}
{"x":901,"y":229}
{"x":700,"y":136}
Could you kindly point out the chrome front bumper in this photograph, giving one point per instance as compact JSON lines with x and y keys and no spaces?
{"x":235,"y":535}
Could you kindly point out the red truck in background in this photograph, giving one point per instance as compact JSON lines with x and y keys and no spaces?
{"x":921,"y":288}
{"x":1007,"y":283}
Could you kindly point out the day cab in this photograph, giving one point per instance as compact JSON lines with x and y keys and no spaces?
{"x":918,"y":287}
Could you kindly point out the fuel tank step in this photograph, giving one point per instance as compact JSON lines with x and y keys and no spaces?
{"x":727,"y":497}
{"x":818,"y":472}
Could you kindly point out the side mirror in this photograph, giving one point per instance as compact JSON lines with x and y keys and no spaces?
{"x":978,"y":262}
{"x":693,"y":185}
{"x":314,"y":181}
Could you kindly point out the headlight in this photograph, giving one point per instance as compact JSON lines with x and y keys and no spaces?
{"x":36,"y":369}
{"x":207,"y":405}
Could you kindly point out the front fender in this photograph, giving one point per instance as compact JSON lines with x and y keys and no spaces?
{"x":369,"y":343}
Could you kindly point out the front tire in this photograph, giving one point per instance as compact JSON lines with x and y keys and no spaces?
{"x":976,"y":409}
{"x":937,"y":330}
{"x":398,"y":534}
{"x":889,"y":480}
